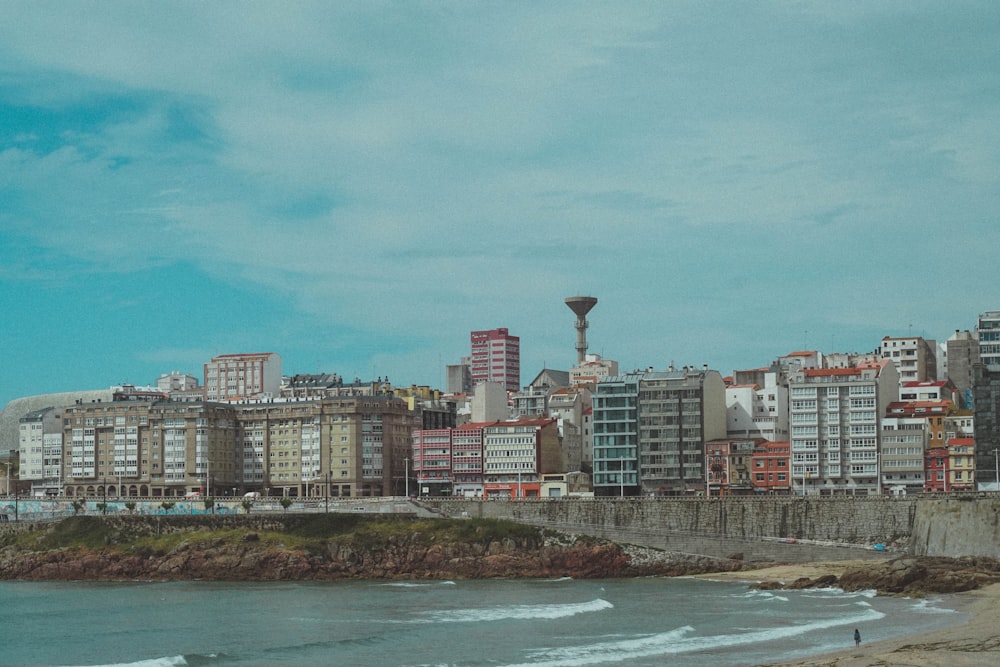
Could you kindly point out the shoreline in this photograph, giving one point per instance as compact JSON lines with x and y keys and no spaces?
{"x":963,"y":644}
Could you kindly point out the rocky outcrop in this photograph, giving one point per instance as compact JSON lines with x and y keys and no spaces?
{"x":911,"y":577}
{"x":396,"y":555}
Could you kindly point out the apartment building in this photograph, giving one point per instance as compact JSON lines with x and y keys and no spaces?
{"x":616,"y":436}
{"x":834,"y":414}
{"x":592,"y":370}
{"x":901,"y":454}
{"x":933,"y":413}
{"x":988,"y":334}
{"x":937,"y":469}
{"x":770,"y":465}
{"x":344,"y":446}
{"x":433,"y":463}
{"x":757,"y":409}
{"x":242,"y":376}
{"x":962,"y":464}
{"x":650,"y":431}
{"x":728,"y":466}
{"x":499,"y":459}
{"x":915,"y":358}
{"x":572,"y":408}
{"x":516,"y":456}
{"x":962,"y":351}
{"x":40,"y":455}
{"x":496,"y":357}
{"x":467,"y":460}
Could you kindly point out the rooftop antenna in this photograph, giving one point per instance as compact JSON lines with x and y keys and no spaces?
{"x":581,"y":305}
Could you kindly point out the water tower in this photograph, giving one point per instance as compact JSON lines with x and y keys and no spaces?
{"x":581,"y":305}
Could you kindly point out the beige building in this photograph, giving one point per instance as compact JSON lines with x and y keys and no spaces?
{"x":241,"y":376}
{"x":344,"y":446}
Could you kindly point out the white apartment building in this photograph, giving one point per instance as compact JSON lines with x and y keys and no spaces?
{"x":40,"y":451}
{"x":901,"y":462}
{"x":755,"y":411}
{"x":913,"y":356}
{"x":835,"y":415}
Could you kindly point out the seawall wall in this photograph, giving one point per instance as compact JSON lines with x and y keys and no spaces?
{"x":758,"y":529}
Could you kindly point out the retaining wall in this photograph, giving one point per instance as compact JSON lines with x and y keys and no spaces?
{"x":774,"y":528}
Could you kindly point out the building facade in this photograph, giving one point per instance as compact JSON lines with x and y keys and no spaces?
{"x":915,"y":358}
{"x":650,"y":431}
{"x":901,"y":454}
{"x":758,"y":409}
{"x":834,"y":414}
{"x":771,"y":472}
{"x":496,"y":357}
{"x":341,"y":446}
{"x":242,"y":376}
{"x":988,"y":334}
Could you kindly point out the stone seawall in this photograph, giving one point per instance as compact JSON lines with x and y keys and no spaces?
{"x":958,"y":526}
{"x":786,"y":529}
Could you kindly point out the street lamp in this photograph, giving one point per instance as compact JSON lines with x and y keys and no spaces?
{"x":621,"y":477}
{"x":996,"y":457}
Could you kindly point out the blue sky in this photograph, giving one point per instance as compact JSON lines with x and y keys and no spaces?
{"x":356,"y":186}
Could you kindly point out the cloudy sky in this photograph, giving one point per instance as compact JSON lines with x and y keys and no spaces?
{"x":356,"y":186}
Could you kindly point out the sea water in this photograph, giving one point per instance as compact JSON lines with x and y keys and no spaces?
{"x":534,"y":623}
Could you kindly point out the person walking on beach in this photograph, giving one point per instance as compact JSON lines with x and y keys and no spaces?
{"x":857,"y":637}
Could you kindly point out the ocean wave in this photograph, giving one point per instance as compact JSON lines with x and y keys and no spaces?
{"x":167,"y":661}
{"x":767,"y":596}
{"x":518,"y":612}
{"x":929,"y":606}
{"x":679,"y":641}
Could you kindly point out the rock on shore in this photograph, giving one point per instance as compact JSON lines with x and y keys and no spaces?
{"x":404,"y":552}
{"x":911,"y":577}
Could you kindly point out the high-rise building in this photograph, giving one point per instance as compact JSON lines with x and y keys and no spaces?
{"x":247,"y":375}
{"x":496,"y":357}
{"x":835,"y":414}
{"x":650,"y":431}
{"x":988,"y":332}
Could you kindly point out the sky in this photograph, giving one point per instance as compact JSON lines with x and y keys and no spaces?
{"x":358,"y":185}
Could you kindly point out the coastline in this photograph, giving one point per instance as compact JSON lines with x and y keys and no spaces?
{"x":965,"y":644}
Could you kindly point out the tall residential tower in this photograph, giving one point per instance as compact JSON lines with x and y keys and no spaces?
{"x":496,"y":357}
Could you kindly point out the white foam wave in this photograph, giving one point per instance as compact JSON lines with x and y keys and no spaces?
{"x":679,"y":641}
{"x":765,"y":595}
{"x":519,"y":612}
{"x":928,"y":606}
{"x":406,"y":584}
{"x":167,"y":661}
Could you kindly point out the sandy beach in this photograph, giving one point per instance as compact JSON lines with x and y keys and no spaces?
{"x":971,"y":644}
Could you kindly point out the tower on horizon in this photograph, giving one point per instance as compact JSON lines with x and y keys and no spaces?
{"x":581,"y":305}
{"x":496,"y":357}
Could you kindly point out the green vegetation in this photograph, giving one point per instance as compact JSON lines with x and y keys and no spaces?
{"x":310,"y":533}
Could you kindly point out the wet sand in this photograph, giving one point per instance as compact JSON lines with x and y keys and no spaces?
{"x":974,"y":643}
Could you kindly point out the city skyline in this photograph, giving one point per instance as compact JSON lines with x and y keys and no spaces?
{"x":357,"y":187}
